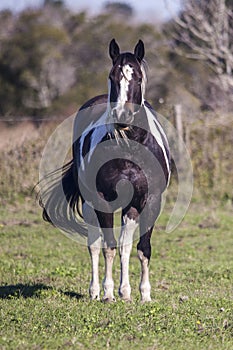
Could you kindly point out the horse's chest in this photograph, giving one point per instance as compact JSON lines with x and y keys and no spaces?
{"x":123,"y":174}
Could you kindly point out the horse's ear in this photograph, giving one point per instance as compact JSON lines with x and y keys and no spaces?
{"x":114,"y":50}
{"x":139,"y":50}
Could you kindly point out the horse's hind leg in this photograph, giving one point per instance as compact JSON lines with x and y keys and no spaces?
{"x":109,"y":252}
{"x":94,"y":246}
{"x":129,"y":226}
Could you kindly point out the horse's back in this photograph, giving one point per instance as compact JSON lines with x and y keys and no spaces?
{"x":89,"y":113}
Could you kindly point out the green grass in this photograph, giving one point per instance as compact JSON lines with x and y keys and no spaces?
{"x":44,"y":279}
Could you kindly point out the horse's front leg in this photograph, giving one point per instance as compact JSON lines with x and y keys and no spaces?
{"x":129,"y":226}
{"x":109,"y":252}
{"x":147,"y":220}
{"x":144,"y":254}
{"x":94,"y":246}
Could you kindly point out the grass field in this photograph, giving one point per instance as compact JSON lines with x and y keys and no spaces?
{"x":44,"y":279}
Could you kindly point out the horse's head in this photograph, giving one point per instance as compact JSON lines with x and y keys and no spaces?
{"x":126,"y":83}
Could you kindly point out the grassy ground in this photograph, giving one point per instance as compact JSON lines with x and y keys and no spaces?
{"x":44,"y":279}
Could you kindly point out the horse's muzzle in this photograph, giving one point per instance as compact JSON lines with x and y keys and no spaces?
{"x":123,"y":119}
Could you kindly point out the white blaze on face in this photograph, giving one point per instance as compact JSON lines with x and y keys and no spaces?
{"x":127,"y":74}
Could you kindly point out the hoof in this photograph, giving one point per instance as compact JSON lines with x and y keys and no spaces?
{"x":127,"y":300}
{"x":124,"y":294}
{"x":146,"y":300}
{"x":108,"y":300}
{"x":126,"y":297}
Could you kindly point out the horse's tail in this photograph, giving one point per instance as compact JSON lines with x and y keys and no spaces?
{"x":59,"y":196}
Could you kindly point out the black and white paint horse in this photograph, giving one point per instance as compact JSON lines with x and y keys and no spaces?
{"x":123,"y":124}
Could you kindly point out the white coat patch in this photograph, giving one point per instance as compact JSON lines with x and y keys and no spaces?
{"x":157,"y":131}
{"x":100,"y":130}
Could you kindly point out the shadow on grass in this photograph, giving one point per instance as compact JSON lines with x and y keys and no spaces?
{"x":29,"y":291}
{"x":73,"y":295}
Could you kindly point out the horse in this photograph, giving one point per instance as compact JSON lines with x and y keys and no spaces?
{"x":121,"y":160}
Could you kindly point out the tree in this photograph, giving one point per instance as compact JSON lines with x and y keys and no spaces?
{"x":55,"y":3}
{"x":204,"y":31}
{"x":119,"y":8}
{"x":33,"y":71}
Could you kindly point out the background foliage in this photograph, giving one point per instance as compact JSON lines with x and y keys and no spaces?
{"x":52,"y":60}
{"x":51,"y":55}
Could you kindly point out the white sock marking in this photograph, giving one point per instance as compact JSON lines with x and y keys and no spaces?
{"x":144,"y":286}
{"x":125,"y":247}
{"x":108,"y":284}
